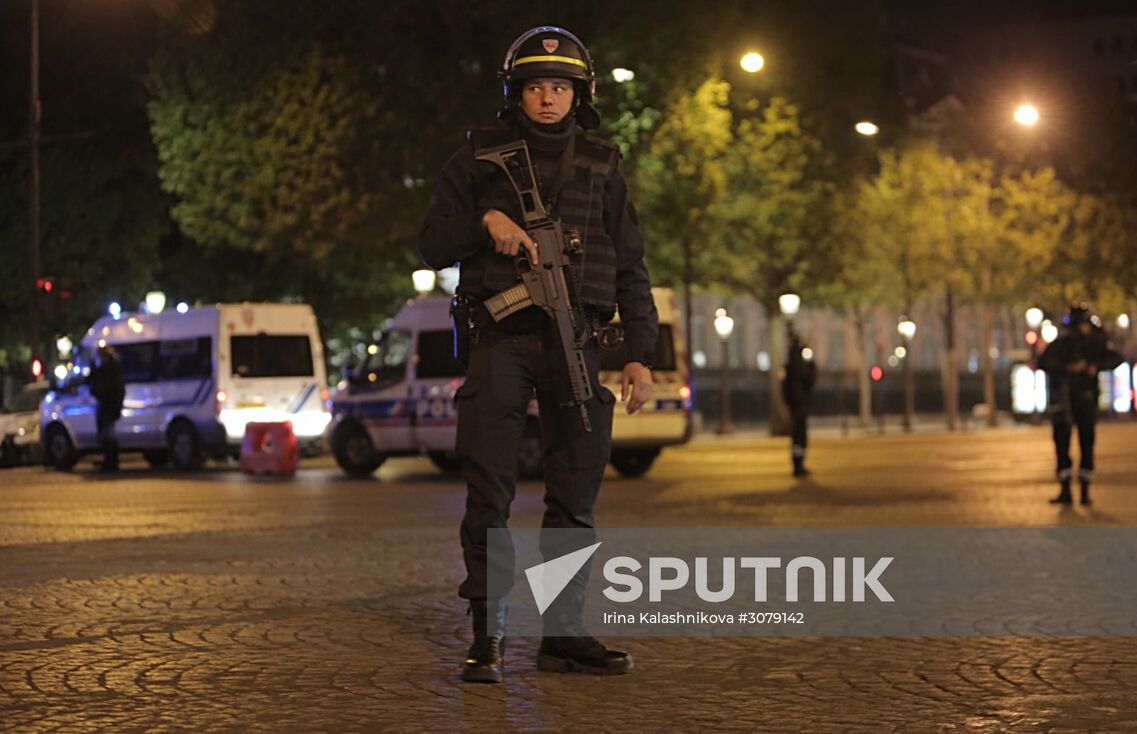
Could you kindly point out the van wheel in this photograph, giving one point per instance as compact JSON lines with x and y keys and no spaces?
{"x":156,"y":458}
{"x":59,"y":450}
{"x":531,"y":452}
{"x":447,"y":461}
{"x":354,"y":451}
{"x":633,"y":462}
{"x":184,"y":446}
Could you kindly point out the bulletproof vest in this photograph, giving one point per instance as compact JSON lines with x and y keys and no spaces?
{"x":579,"y":206}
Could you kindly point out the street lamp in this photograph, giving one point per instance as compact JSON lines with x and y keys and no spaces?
{"x":1123,"y":321}
{"x":35,"y":117}
{"x":155,"y":302}
{"x":1048,"y":332}
{"x":1026,"y":115}
{"x":789,"y":304}
{"x":1034,"y":318}
{"x":423,"y":281}
{"x":866,"y":128}
{"x":724,"y":326}
{"x":621,"y":75}
{"x":752,"y":62}
{"x":907,"y":329}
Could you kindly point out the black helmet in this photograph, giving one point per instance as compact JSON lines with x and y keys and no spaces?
{"x":1079,"y":314}
{"x":549,"y":51}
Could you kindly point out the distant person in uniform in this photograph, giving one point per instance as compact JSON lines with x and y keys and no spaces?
{"x":1072,"y":363}
{"x":797,"y":391}
{"x":108,"y":389}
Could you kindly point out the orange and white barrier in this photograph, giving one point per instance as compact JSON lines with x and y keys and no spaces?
{"x":270,"y":448}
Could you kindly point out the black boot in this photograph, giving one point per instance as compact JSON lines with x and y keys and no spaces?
{"x":1086,"y":493}
{"x":484,"y":660}
{"x":799,"y":467}
{"x":1064,"y":497}
{"x":581,"y":655}
{"x":568,"y":648}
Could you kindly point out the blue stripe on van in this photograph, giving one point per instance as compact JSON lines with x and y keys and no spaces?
{"x":299,"y":403}
{"x":200,"y":396}
{"x":388,"y":409}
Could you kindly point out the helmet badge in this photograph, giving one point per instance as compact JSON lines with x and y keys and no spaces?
{"x":550,"y":44}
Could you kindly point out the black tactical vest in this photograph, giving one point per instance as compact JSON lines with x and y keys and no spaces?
{"x":579,"y":206}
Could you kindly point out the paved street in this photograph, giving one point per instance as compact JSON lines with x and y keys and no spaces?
{"x":222,"y":602}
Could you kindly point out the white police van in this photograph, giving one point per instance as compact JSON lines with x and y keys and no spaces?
{"x":400,"y":400}
{"x":193,"y":380}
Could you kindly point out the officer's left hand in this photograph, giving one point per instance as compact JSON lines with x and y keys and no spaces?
{"x":638,"y":377}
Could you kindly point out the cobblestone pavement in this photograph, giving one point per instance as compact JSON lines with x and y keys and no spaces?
{"x":221,"y":602}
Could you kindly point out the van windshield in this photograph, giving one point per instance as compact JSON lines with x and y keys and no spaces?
{"x":26,"y":400}
{"x":615,"y":359}
{"x":388,"y":363}
{"x":271,"y":355}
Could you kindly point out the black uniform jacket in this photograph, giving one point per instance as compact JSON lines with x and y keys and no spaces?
{"x":453,"y":231}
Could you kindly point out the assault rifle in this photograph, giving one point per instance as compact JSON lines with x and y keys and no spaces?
{"x":546,"y":284}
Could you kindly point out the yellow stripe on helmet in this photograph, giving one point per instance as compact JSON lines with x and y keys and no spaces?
{"x":538,"y":59}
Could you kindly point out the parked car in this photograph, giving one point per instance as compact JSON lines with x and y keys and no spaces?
{"x":19,"y":426}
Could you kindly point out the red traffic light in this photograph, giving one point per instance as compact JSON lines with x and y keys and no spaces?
{"x":45,"y":284}
{"x":876,"y":373}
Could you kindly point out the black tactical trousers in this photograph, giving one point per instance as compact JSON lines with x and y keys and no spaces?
{"x":505,"y":370}
{"x":1083,"y":414}
{"x":799,"y":432}
{"x":108,"y":442}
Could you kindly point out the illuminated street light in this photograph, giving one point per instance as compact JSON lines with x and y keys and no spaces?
{"x":1123,"y":321}
{"x":907,"y":329}
{"x":866,"y":128}
{"x":752,"y":62}
{"x":724,"y":327}
{"x":1049,"y":332}
{"x":623,"y":75}
{"x":789,"y":304}
{"x":423,"y":281}
{"x":115,"y":310}
{"x":183,"y":307}
{"x":448,"y":280}
{"x":1026,"y":115}
{"x":1034,"y":317}
{"x":155,"y":302}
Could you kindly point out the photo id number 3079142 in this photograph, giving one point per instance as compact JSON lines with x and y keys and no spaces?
{"x":771,"y":618}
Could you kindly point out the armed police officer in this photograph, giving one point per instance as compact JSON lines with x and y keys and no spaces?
{"x":476,"y":219}
{"x":107,"y":387}
{"x":797,"y":391}
{"x":1072,"y":363}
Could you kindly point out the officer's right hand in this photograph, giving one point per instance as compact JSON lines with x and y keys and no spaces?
{"x":508,"y":238}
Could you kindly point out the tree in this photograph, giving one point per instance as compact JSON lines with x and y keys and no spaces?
{"x":679,"y":181}
{"x":774,"y":225}
{"x":903,"y":207}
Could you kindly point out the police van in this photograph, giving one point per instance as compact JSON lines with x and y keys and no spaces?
{"x":193,"y":380}
{"x":400,"y":400}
